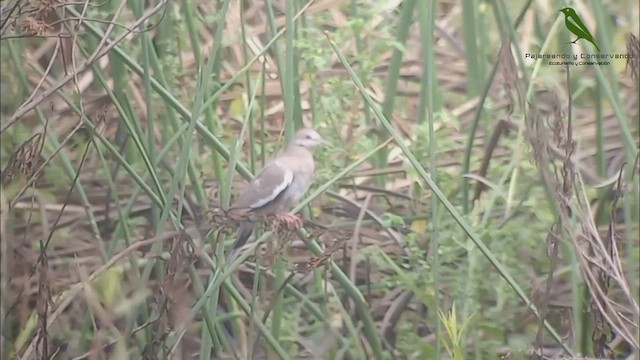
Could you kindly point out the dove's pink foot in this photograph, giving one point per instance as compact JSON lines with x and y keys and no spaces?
{"x":292,"y":221}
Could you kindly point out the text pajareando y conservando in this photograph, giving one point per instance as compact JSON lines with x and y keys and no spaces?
{"x":578,"y":56}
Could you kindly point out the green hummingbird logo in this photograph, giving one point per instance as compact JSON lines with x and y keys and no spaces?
{"x":576,"y":26}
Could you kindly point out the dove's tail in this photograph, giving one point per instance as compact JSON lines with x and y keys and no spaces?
{"x":245,"y":229}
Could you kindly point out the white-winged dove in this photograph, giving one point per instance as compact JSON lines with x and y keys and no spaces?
{"x":280,"y":184}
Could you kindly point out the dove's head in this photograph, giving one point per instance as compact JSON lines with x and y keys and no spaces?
{"x":308,"y":139}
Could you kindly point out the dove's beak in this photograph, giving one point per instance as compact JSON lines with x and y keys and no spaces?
{"x":326,"y":143}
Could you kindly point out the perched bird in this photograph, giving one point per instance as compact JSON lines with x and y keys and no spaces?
{"x":576,"y":26}
{"x":280,"y":184}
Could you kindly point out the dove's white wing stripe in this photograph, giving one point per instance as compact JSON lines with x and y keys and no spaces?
{"x":286,"y":181}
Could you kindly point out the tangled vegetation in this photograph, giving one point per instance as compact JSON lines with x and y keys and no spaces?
{"x":476,"y":203}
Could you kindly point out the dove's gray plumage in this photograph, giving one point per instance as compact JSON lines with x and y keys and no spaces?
{"x":280,"y":184}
